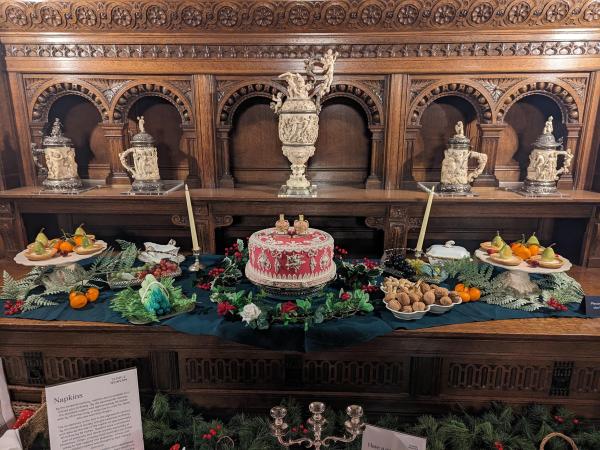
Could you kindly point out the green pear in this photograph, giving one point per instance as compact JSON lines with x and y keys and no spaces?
{"x":533,"y":240}
{"x":505,"y":252}
{"x":85,"y":242}
{"x":497,"y":241}
{"x":38,"y":248}
{"x":80,"y":231}
{"x":548,"y":254}
{"x":42,"y":238}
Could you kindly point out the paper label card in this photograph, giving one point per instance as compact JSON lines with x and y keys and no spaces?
{"x":98,"y":413}
{"x":375,"y":438}
{"x":592,"y":306}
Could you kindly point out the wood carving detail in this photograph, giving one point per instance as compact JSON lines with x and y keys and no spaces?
{"x":563,"y":94}
{"x":472,"y":94}
{"x":315,"y":16}
{"x":498,"y":377}
{"x":50,"y":93}
{"x":159,"y":88}
{"x":302,"y":51}
{"x":362,"y":95}
{"x":239,"y":93}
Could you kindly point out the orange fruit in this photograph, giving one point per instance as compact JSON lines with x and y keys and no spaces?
{"x":92,"y":294}
{"x":57,"y":244}
{"x":72,"y":294}
{"x":534,"y":249}
{"x":78,"y":240}
{"x":459,"y":287}
{"x":78,"y":301}
{"x":66,"y":247}
{"x":474,"y":293}
{"x":465,"y":296}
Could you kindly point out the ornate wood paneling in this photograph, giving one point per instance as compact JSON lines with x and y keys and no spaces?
{"x":321,"y":15}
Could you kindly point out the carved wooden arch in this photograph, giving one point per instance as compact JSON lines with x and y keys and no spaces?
{"x":361,"y":95}
{"x":560,"y":92}
{"x":240,"y":93}
{"x":476,"y":97}
{"x":51,"y":91}
{"x":135,"y":90}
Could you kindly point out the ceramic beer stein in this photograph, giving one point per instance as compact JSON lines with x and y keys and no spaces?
{"x":146,"y":177}
{"x":455,"y":167}
{"x":60,"y":168}
{"x":543,"y":172}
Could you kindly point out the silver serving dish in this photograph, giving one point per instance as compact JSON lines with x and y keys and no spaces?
{"x":135,"y":282}
{"x":438,"y":254}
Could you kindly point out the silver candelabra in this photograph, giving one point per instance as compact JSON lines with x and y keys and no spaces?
{"x":354,"y":426}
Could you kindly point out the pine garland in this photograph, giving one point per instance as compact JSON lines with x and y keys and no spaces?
{"x":500,"y":426}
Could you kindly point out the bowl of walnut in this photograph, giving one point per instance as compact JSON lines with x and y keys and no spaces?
{"x":411,"y":301}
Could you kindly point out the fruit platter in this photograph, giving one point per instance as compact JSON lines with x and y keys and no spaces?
{"x":62,"y":251}
{"x":526,"y":255}
{"x":408,"y":300}
{"x":165,"y":268}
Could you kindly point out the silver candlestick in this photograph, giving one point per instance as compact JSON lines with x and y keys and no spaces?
{"x":196,"y":265}
{"x":354,"y":426}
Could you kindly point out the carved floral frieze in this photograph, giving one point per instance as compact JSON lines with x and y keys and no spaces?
{"x":304,"y":51}
{"x":295,"y":16}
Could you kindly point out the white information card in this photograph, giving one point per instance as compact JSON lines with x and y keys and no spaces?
{"x":375,"y":438}
{"x":98,"y":413}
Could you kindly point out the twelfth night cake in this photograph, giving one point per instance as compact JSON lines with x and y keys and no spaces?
{"x":290,"y":261}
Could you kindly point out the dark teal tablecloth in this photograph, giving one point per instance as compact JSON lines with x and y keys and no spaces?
{"x":326,"y":336}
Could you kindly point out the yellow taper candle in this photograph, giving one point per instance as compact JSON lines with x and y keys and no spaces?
{"x":424,"y":223}
{"x":188,"y":201}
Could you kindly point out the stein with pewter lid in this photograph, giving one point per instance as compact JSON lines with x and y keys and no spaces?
{"x":146,"y":177}
{"x":60,"y":168}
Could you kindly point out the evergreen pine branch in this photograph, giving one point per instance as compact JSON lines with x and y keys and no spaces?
{"x":37,"y":301}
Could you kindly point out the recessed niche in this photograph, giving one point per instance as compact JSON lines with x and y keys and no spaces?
{"x":525,"y":122}
{"x":342,"y":148}
{"x":255,"y":151}
{"x":163,"y":122}
{"x":81,"y":123}
{"x":437,"y":126}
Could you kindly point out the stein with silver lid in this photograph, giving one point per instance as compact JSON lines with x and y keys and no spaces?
{"x":543,"y":172}
{"x":146,"y":177}
{"x":60,"y":168}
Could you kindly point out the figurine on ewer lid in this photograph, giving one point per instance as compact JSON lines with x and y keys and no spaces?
{"x":455,"y":167}
{"x":146,"y":177}
{"x":543,"y":172}
{"x":299,"y":119}
{"x":60,"y":169}
{"x":282,"y":226}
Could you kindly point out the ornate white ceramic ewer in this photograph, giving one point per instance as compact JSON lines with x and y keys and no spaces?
{"x":543,"y":172}
{"x":144,"y":171}
{"x":455,"y":167}
{"x":60,"y":168}
{"x":299,"y":119}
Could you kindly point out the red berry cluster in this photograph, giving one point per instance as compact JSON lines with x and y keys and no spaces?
{"x":212,"y":433}
{"x":533,"y":263}
{"x":369,"y":288}
{"x":214,"y":273}
{"x":165,"y":268}
{"x":340,"y":252}
{"x":498,"y":445}
{"x":11,"y":308}
{"x":345,"y":296}
{"x":24,"y":416}
{"x":553,"y":303}
{"x":234,"y":250}
{"x":206,"y":280}
{"x":369,"y":263}
{"x":559,"y":419}
{"x":300,"y":429}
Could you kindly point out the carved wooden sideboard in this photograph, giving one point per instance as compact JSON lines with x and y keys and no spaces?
{"x":406,"y":372}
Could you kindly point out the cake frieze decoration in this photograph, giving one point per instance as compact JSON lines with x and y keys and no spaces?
{"x":263,"y":260}
{"x":325,"y":261}
{"x":294,"y":262}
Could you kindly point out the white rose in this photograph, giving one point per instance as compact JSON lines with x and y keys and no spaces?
{"x":250,"y":312}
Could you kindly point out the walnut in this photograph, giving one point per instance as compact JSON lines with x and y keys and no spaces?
{"x":429,"y":297}
{"x":419,"y":306}
{"x":404,"y":299}
{"x":389,"y":297}
{"x":407,"y":308}
{"x":395,"y":305}
{"x":441,"y":292}
{"x":454,"y":296}
{"x":445,"y":301}
{"x":425,"y":287}
{"x":414,"y":297}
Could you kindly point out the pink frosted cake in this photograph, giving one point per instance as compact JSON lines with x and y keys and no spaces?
{"x":290,"y":262}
